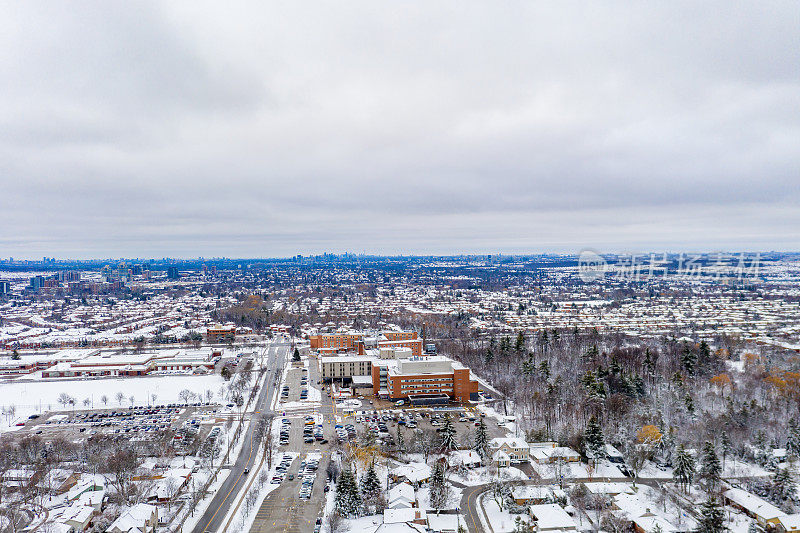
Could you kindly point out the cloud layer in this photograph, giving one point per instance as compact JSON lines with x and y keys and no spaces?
{"x":265,"y":129}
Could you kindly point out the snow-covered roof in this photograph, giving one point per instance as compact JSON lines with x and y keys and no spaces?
{"x":550,"y":516}
{"x":134,"y":518}
{"x":753,"y":504}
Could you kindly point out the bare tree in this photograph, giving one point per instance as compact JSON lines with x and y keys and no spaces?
{"x":336,"y":523}
{"x":120,"y":396}
{"x":104,"y":399}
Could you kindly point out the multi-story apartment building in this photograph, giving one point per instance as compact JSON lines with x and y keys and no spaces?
{"x":345,"y":367}
{"x":420,"y":377}
{"x":335,"y":342}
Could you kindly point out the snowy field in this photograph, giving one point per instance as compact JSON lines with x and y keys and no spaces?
{"x":40,"y":396}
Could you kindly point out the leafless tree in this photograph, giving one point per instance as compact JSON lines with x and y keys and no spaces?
{"x":336,"y":523}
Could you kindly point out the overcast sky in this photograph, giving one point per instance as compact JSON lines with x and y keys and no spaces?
{"x":130,"y":129}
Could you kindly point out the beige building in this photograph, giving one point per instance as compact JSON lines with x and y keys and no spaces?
{"x":343,"y":367}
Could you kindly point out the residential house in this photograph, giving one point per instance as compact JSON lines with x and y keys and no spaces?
{"x":141,"y":518}
{"x":761,"y":510}
{"x":551,"y":517}
{"x":402,"y":497}
{"x":516,"y":448}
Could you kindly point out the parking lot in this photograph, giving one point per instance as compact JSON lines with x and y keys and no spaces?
{"x":139,"y":423}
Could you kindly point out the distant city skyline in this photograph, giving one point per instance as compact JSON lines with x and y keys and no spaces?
{"x":248,"y":130}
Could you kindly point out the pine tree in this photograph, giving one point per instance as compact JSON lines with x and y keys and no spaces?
{"x":793,"y":439}
{"x":684,"y":467}
{"x":439,"y":490}
{"x":448,"y":436}
{"x":689,"y":402}
{"x":782,"y":487}
{"x":710,"y":468}
{"x":401,"y":443}
{"x":689,"y":360}
{"x":482,"y":441}
{"x":593,"y":437}
{"x":725,"y":445}
{"x":519,"y":346}
{"x":348,"y":499}
{"x":370,"y":484}
{"x":712,"y":518}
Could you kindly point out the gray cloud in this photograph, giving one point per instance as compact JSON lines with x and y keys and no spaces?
{"x":257,"y":129}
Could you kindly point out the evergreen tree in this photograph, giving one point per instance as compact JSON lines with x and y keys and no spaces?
{"x":712,"y":518}
{"x":684,"y":467}
{"x":296,"y":355}
{"x":782,"y":487}
{"x":595,"y":442}
{"x":439,"y":490}
{"x":689,"y":402}
{"x":725,"y":445}
{"x":482,"y":441}
{"x":519,"y":346}
{"x":448,"y":436}
{"x":348,"y":499}
{"x":793,"y":439}
{"x":370,"y":484}
{"x":689,"y":360}
{"x":401,"y":442}
{"x":710,"y":468}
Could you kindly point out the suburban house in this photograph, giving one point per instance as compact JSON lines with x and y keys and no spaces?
{"x":141,"y":518}
{"x":517,"y":449}
{"x":789,"y":523}
{"x":413,"y":473}
{"x":535,"y":494}
{"x":761,"y":510}
{"x":465,"y":458}
{"x":402,"y":497}
{"x":552,"y":517}
{"x":501,"y":459}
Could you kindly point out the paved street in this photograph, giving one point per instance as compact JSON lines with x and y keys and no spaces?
{"x":214,"y":516}
{"x":283,"y":510}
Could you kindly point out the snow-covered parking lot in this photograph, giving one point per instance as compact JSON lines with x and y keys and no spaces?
{"x":30,"y":397}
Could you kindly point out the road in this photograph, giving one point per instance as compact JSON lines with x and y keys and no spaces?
{"x":213,"y":518}
{"x":283,"y":511}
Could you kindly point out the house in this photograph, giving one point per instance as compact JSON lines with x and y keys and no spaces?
{"x":400,"y":527}
{"x":501,"y":459}
{"x":401,"y":497}
{"x":517,"y":449}
{"x":551,"y":455}
{"x":58,"y":481}
{"x":402,"y":516}
{"x":141,"y":518}
{"x":598,"y":488}
{"x":78,"y":517}
{"x":789,"y":523}
{"x":86,"y":483}
{"x":168,"y":486}
{"x":552,"y":517}
{"x":444,"y":523}
{"x":761,"y":510}
{"x":465,"y":458}
{"x":535,"y":494}
{"x":19,"y":478}
{"x":643,"y":520}
{"x":93,"y":499}
{"x":413,"y":473}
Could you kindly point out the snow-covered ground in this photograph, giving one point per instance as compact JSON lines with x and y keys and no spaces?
{"x":483,"y":475}
{"x":31,"y":397}
{"x":601,"y":471}
{"x":501,"y":520}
